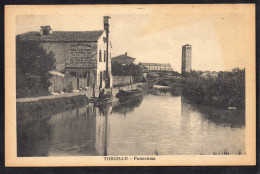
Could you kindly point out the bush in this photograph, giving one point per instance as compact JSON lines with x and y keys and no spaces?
{"x":228,"y":89}
{"x":33,"y":64}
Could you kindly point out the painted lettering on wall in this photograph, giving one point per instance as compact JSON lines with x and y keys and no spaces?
{"x":81,"y":55}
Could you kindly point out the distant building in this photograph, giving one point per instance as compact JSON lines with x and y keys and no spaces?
{"x":86,"y":54}
{"x":186,"y":58}
{"x":156,"y":67}
{"x":123,"y":59}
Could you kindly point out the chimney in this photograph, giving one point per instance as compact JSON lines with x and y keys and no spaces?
{"x":45,"y":30}
{"x":106,"y":23}
{"x":126,"y":53}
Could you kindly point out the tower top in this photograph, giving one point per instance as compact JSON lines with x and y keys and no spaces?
{"x":106,"y":19}
{"x":106,"y":23}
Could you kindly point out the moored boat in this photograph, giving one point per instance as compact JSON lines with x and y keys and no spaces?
{"x":106,"y":100}
{"x":129,"y":94}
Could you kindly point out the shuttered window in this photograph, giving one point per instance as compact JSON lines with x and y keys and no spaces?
{"x":105,"y":53}
{"x":100,"y":56}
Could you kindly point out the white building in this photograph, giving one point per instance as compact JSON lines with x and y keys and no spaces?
{"x":86,"y":54}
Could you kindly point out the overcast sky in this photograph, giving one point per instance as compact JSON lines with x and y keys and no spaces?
{"x":216,"y":39}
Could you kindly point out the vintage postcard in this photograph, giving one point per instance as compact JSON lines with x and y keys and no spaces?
{"x":130,"y":85}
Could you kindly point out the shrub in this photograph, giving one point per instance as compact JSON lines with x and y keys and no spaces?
{"x":228,"y":89}
{"x":33,"y":64}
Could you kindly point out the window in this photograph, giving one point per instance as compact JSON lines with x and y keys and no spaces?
{"x":85,"y":75}
{"x":105,"y":56}
{"x":100,"y":56}
{"x":104,"y":75}
{"x":73,"y":74}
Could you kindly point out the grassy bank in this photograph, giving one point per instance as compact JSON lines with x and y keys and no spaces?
{"x":225,"y":90}
{"x":48,"y":106}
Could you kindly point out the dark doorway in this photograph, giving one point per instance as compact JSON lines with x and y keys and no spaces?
{"x":77,"y":83}
{"x":88,"y":79}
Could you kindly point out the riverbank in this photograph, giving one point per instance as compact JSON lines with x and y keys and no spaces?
{"x":225,"y":90}
{"x":49,"y":105}
{"x":57,"y":103}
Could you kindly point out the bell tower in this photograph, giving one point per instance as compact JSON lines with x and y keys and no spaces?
{"x":186,"y":58}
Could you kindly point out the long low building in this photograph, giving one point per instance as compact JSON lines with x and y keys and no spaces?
{"x":156,"y":67}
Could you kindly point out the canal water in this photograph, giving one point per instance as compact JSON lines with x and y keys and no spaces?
{"x":155,"y":123}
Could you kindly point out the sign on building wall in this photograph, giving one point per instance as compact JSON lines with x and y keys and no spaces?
{"x":81,"y":55}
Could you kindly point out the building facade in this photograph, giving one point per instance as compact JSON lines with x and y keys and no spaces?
{"x":156,"y":67}
{"x":186,"y":58}
{"x":86,"y":54}
{"x":123,"y":59}
{"x":57,"y":82}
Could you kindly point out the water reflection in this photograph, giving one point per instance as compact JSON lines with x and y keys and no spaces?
{"x":169,"y":124}
{"x":33,"y":138}
{"x":74,"y":132}
{"x":219,"y":116}
{"x":128,"y":106}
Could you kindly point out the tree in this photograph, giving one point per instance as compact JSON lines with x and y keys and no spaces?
{"x":127,"y":70}
{"x":33,"y":64}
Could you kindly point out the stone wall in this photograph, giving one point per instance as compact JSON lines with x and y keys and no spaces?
{"x":57,"y":82}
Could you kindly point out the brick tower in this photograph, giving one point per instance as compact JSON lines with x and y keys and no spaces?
{"x":186,"y":58}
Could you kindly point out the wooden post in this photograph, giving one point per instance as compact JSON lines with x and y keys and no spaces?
{"x":94,"y":90}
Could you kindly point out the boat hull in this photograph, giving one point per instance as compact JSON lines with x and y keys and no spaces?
{"x":129,"y":94}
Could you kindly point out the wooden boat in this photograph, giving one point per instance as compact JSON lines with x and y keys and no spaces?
{"x":129,"y":94}
{"x":100,"y":101}
{"x":97,"y":100}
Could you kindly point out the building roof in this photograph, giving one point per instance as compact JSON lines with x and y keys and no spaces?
{"x":64,"y":36}
{"x":156,"y":64}
{"x":123,"y":56}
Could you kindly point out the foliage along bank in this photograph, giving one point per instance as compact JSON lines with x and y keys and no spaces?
{"x":48,"y":106}
{"x":127,"y":70}
{"x":33,"y":64}
{"x":225,"y":90}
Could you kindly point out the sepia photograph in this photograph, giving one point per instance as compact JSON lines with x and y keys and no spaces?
{"x":108,"y":85}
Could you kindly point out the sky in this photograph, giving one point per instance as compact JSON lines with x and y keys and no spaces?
{"x":216,"y":38}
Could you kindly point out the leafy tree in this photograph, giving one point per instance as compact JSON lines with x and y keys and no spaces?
{"x":33,"y":64}
{"x":127,"y":70}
